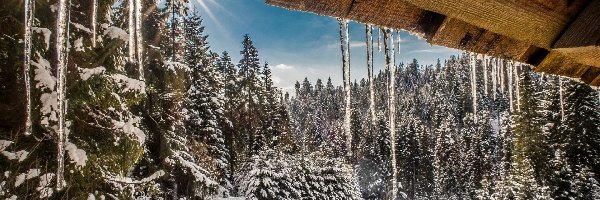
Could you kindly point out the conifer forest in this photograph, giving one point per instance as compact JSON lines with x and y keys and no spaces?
{"x":125,"y":99}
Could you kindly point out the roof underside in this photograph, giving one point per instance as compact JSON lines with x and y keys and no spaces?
{"x":555,"y":36}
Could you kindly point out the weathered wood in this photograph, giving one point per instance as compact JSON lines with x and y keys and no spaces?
{"x":584,"y":31}
{"x":538,"y":22}
{"x":458,"y":34}
{"x":392,"y":14}
{"x":559,"y":64}
{"x":589,"y":76}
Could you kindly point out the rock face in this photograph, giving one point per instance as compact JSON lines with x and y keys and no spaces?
{"x":554,"y":36}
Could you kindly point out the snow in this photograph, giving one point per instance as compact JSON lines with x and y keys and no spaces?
{"x":86,"y":73}
{"x":44,"y":187}
{"x":174,"y":66}
{"x":510,"y":86}
{"x":91,"y":197}
{"x":128,"y":84}
{"x":128,"y":180}
{"x":20,"y":179}
{"x":43,"y":74}
{"x":32,"y":173}
{"x":78,"y":44}
{"x":81,"y":27}
{"x":485,"y":75}
{"x":116,"y":33}
{"x":46,"y":32}
{"x":21,"y":155}
{"x":4,"y":144}
{"x":130,"y":127}
{"x":78,"y":156}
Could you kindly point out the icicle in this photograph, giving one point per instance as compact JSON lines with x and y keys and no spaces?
{"x":501,"y":71}
{"x":494,"y":76}
{"x":391,"y":103}
{"x":369,"y":35}
{"x":61,"y":49}
{"x":379,"y":39}
{"x":94,"y":13}
{"x":560,"y":93}
{"x":510,"y":86}
{"x":474,"y":85}
{"x":139,"y":38}
{"x":132,"y":31}
{"x":485,"y":74}
{"x":27,"y":63}
{"x":398,"y":43}
{"x":345,"y":48}
{"x":516,"y":74}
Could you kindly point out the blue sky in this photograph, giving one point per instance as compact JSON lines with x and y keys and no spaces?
{"x":298,"y":44}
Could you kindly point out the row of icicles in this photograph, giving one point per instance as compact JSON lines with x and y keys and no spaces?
{"x":390,"y":55}
{"x":501,"y":81}
{"x":63,"y":21}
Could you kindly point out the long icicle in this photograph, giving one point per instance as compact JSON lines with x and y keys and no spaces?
{"x":345,"y":48}
{"x":139,"y":38}
{"x":485,"y":75}
{"x":369,"y":35}
{"x":391,"y":69}
{"x":510,"y":86}
{"x":94,"y":15}
{"x":132,"y":31}
{"x":27,"y":64}
{"x":501,"y":76}
{"x":379,"y":39}
{"x":474,"y":85}
{"x":61,"y":49}
{"x":560,"y":93}
{"x":517,"y":86}
{"x":494,"y":74}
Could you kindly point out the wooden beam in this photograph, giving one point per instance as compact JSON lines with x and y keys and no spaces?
{"x":581,"y":41}
{"x":537,"y":22}
{"x":559,"y":64}
{"x":458,"y":34}
{"x":584,"y":31}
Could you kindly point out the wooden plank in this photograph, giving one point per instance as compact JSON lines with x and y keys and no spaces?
{"x":538,"y":22}
{"x":584,"y":31}
{"x":391,"y":14}
{"x":590,"y":75}
{"x":589,"y":55}
{"x":559,"y":64}
{"x":457,"y":34}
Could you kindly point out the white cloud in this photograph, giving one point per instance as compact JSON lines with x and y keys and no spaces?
{"x":283,"y":67}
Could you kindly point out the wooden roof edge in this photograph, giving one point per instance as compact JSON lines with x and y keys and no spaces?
{"x":470,"y":38}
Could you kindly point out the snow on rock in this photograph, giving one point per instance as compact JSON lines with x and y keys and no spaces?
{"x":46,"y":32}
{"x":78,"y":156}
{"x":129,"y":84}
{"x":130,"y":127}
{"x":86,"y":73}
{"x":115,"y":33}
